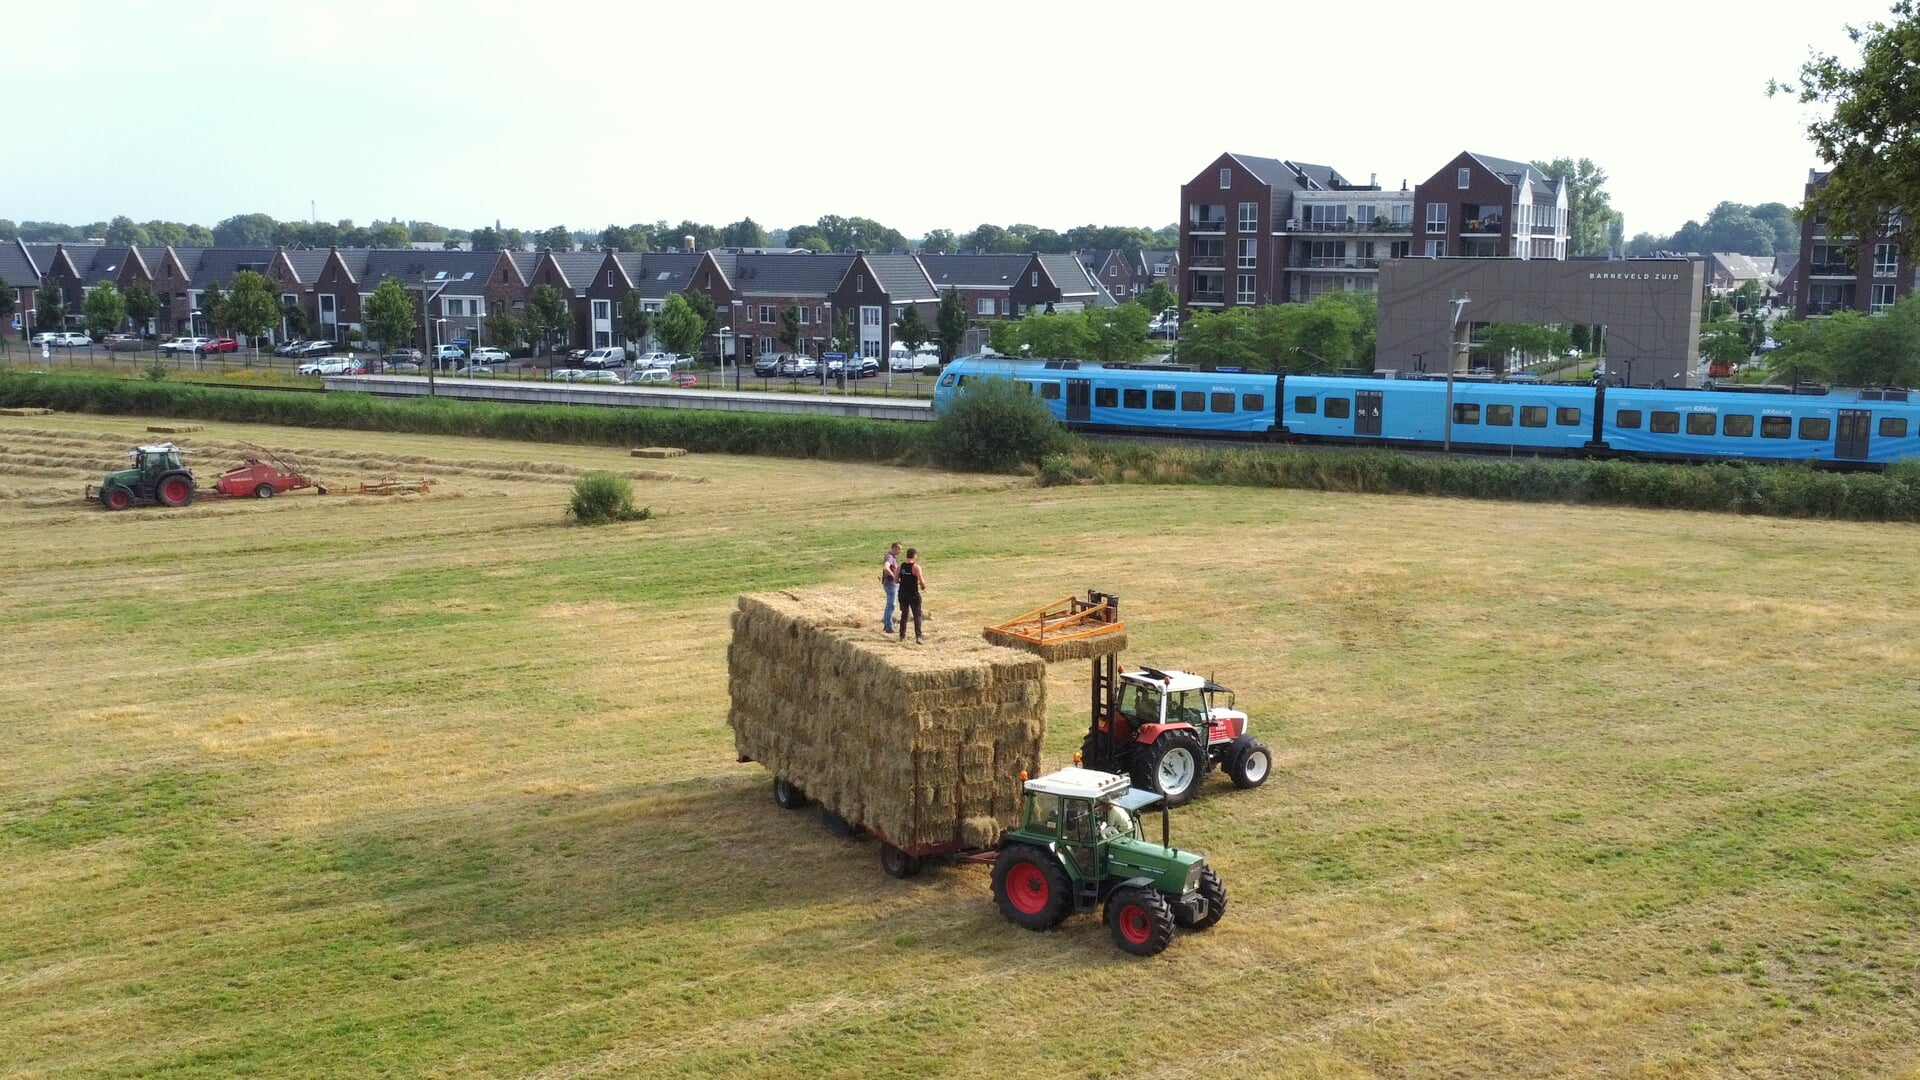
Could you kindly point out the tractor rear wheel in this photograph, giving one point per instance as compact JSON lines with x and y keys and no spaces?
{"x":1031,"y":887}
{"x":264,"y":491}
{"x":1141,"y":920}
{"x":116,"y":498}
{"x":1214,"y":892}
{"x":786,"y":796}
{"x":174,"y":489}
{"x":1171,"y":766}
{"x":1098,"y":752}
{"x":897,"y":863}
{"x":1248,"y":762}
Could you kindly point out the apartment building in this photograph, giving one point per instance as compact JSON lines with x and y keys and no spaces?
{"x":1841,"y":273}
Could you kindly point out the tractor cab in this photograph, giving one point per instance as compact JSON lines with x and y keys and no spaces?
{"x":1151,"y":701}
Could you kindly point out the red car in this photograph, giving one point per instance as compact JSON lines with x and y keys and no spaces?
{"x":219,"y":344}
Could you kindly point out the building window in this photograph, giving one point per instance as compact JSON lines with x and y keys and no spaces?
{"x":1436,"y":248}
{"x":1033,"y":279}
{"x":1436,"y":217}
{"x":609,"y":277}
{"x":1364,"y":214}
{"x":766,"y":313}
{"x":1249,"y":254}
{"x":1402,"y":213}
{"x":1399,"y":249}
{"x":1464,"y":179}
{"x":1882,"y":298}
{"x":986,"y":306}
{"x":1243,"y":289}
{"x":1249,"y":217}
{"x":1226,"y":179}
{"x":1885,"y":262}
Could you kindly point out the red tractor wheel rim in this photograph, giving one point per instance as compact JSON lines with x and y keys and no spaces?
{"x":175,"y":490}
{"x":1027,"y":887}
{"x":1134,"y":924}
{"x":118,"y":499}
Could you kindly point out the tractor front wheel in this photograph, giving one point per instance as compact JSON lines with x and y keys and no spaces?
{"x":786,"y":796}
{"x":1031,"y":887}
{"x":897,"y":863}
{"x":1214,"y":892}
{"x":264,"y":491}
{"x":1248,"y":762}
{"x":1141,"y":920}
{"x":116,"y":498}
{"x":1171,"y":766}
{"x":174,"y":489}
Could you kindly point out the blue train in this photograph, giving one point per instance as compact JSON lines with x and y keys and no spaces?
{"x":1842,"y":428}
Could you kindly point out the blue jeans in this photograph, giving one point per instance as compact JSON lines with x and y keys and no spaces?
{"x":886,"y":616}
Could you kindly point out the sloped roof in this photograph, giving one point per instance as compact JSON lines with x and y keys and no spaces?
{"x":219,"y":265}
{"x":903,"y":277}
{"x":1321,"y":177}
{"x":525,"y":261}
{"x":464,"y":273}
{"x":974,"y":271}
{"x":17,"y":266}
{"x":1270,"y":171}
{"x":790,"y":275}
{"x":1513,"y":171}
{"x":307,"y":263}
{"x":1069,"y":275}
{"x":656,"y":274}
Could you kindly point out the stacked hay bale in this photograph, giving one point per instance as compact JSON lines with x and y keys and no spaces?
{"x":923,"y":745}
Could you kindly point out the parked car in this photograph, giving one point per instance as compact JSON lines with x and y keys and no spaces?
{"x":611,"y":356}
{"x":598,"y":375}
{"x":448,"y":354}
{"x":313,"y":348}
{"x":654,"y":359}
{"x":767,"y":365}
{"x":220,"y":344}
{"x":915,"y":362}
{"x":862,"y":367}
{"x":487,"y":354}
{"x":565,"y":374}
{"x":799,"y":367}
{"x":123,"y":343}
{"x":657,"y":376}
{"x":71,"y":339}
{"x":402,"y":356}
{"x":402,"y":367}
{"x":183,"y":345}
{"x":288,"y":348}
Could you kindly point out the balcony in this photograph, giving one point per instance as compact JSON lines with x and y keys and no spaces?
{"x":1218,"y":225}
{"x":1214,"y":298}
{"x":1481,"y":225}
{"x":1296,"y":225}
{"x":1321,"y":263}
{"x":1207,"y":262}
{"x":1830,"y":270}
{"x":1829,"y":307}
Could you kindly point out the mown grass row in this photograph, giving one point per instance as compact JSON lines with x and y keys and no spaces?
{"x":1775,"y":490}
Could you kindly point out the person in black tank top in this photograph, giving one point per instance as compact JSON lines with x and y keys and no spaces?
{"x":912,"y":584}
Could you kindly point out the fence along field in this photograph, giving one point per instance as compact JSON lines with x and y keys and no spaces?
{"x":320,"y":786}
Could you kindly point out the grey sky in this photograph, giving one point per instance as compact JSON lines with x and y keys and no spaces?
{"x":918,"y":115}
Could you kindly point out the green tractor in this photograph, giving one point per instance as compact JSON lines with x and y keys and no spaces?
{"x":1080,"y":845}
{"x":156,"y":476}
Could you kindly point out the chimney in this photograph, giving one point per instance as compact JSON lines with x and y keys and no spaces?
{"x":1373,"y":179}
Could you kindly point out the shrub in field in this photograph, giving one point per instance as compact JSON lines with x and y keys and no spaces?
{"x":602,"y":497}
{"x":994,"y":425}
{"x":156,"y":371}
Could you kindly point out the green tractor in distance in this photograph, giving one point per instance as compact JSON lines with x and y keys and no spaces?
{"x":156,"y":476}
{"x":1080,"y":845}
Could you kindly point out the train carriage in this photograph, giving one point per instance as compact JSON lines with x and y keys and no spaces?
{"x":1540,"y":418}
{"x":1131,"y":398}
{"x":1840,"y":427}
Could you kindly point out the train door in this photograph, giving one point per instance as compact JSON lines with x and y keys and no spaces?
{"x":1366,"y":412}
{"x":1850,"y":443}
{"x":1079,"y":400}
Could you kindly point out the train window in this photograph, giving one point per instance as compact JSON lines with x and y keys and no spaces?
{"x":1500,"y":414}
{"x":1106,"y":397}
{"x":1816,"y":427}
{"x":1253,"y":402}
{"x":1220,"y":402}
{"x":1465,"y":413}
{"x":1533,"y":416}
{"x":1030,"y":388}
{"x":1701,"y":423}
{"x":1306,"y":406}
{"x":965,"y":379}
{"x":1133,"y":399}
{"x":1566,"y":417}
{"x":1163,"y":399}
{"x":1893,"y":427}
{"x":1627,"y":419}
{"x":1193,"y":401}
{"x":1737,"y":426}
{"x":1776,"y":427}
{"x":1664,"y":423}
{"x":947,"y":379}
{"x":1338,"y":407}
{"x":1050,"y":391}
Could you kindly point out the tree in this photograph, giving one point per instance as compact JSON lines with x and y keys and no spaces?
{"x":390,"y":234}
{"x":985,"y":239}
{"x":1227,"y":338}
{"x":245,"y":230}
{"x":615,"y":238}
{"x":9,"y":302}
{"x":504,"y":330}
{"x":843,"y":342}
{"x":252,"y":308}
{"x":105,"y":309}
{"x":1591,"y":218}
{"x":705,"y":237}
{"x":910,"y":329}
{"x":744,"y":233}
{"x":1157,"y":298}
{"x":950,"y":324}
{"x":427,"y":232}
{"x":143,"y":304}
{"x":939,"y":242}
{"x":709,"y":313}
{"x":678,"y":326}
{"x":485,"y":239}
{"x":198,"y":236}
{"x":294,"y":318}
{"x":165,"y":233}
{"x":546,"y":317}
{"x":213,"y":306}
{"x":122,"y":232}
{"x":1117,"y":334}
{"x":559,"y":238}
{"x":1867,"y":135}
{"x":1529,"y":341}
{"x":390,"y":313}
{"x":994,"y":425}
{"x":50,"y":308}
{"x":1043,"y":334}
{"x":635,"y":319}
{"x":790,"y":328}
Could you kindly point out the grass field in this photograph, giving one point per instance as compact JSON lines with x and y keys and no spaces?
{"x":439,"y":785}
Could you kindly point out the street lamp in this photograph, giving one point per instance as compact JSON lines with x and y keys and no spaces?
{"x":193,"y":330}
{"x":440,"y":332}
{"x":739,"y":354}
{"x":1459,"y":349}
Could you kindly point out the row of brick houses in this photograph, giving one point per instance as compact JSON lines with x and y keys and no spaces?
{"x":1257,"y":230}
{"x":749,"y":289}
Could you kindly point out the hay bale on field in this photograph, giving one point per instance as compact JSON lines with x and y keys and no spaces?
{"x":25,"y":412}
{"x":1056,"y":649}
{"x":658,"y":452}
{"x":923,"y":745}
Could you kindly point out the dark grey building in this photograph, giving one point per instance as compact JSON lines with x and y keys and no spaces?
{"x":1649,"y":309}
